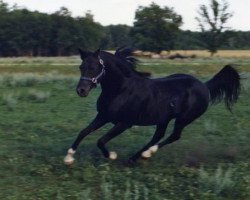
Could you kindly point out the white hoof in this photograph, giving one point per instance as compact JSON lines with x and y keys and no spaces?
{"x":69,"y":159}
{"x":153,"y":149}
{"x":112,"y":155}
{"x":146,"y":154}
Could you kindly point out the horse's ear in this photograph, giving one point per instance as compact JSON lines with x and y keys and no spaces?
{"x":83,"y":54}
{"x":97,"y":52}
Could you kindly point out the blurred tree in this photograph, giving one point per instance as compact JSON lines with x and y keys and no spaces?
{"x":3,"y":7}
{"x":41,"y":34}
{"x":61,"y":33}
{"x":187,"y":40}
{"x":212,"y":20}
{"x":63,"y":12}
{"x":3,"y":13}
{"x":27,"y":33}
{"x":89,"y":33}
{"x":155,"y":28}
{"x":237,"y":40}
{"x":116,"y":36}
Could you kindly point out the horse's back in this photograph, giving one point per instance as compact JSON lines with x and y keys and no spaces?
{"x":178,"y":82}
{"x":177,"y":78}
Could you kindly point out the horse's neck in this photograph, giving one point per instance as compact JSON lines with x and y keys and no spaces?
{"x":111,"y":85}
{"x":114,"y":78}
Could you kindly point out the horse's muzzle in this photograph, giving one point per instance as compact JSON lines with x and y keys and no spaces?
{"x":82,"y":92}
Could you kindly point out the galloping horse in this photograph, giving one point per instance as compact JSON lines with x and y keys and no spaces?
{"x":130,"y":98}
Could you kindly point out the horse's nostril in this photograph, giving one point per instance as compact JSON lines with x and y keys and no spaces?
{"x":81,"y":92}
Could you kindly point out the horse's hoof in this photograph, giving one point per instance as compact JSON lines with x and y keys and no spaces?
{"x":112,"y":155}
{"x":146,"y":154}
{"x":153,"y":149}
{"x":68,"y":160}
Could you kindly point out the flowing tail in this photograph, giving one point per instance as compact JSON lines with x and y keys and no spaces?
{"x":225,"y":85}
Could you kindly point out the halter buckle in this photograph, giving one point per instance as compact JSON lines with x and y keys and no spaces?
{"x":101,"y":61}
{"x":94,"y":80}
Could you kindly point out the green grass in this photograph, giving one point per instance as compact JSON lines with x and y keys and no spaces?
{"x":40,"y":116}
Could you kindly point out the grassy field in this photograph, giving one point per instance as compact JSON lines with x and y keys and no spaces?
{"x":40,"y":116}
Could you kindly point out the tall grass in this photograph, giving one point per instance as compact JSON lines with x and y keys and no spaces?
{"x":38,"y":96}
{"x":30,"y":79}
{"x":39,"y":60}
{"x":132,"y":190}
{"x":216,"y":182}
{"x":210,"y":126}
{"x":245,"y":81}
{"x":10,"y":100}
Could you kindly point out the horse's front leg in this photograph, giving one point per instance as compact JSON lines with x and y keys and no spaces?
{"x":94,"y":125}
{"x":116,"y":130}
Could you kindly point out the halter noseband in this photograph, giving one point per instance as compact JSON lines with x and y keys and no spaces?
{"x":95,"y":79}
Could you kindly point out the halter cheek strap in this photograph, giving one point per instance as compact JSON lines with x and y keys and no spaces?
{"x":95,"y":79}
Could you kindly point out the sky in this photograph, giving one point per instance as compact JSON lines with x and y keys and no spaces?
{"x":115,"y":12}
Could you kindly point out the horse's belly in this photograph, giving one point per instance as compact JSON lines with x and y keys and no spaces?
{"x":141,"y":118}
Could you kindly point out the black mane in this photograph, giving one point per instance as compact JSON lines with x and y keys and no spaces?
{"x":127,"y":55}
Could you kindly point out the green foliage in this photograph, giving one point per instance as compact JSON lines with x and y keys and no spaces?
{"x":187,"y":40}
{"x":237,"y":40}
{"x":26,"y":33}
{"x":116,"y":36}
{"x":155,"y":28}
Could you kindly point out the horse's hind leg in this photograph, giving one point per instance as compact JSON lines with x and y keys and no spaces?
{"x":181,"y":122}
{"x":149,"y":148}
{"x":116,"y":130}
{"x":178,"y":127}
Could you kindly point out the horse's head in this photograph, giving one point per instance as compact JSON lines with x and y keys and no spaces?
{"x":92,"y":69}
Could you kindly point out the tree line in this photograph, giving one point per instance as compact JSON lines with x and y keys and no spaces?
{"x":32,"y":33}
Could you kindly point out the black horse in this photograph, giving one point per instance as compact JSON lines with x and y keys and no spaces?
{"x":130,"y":98}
